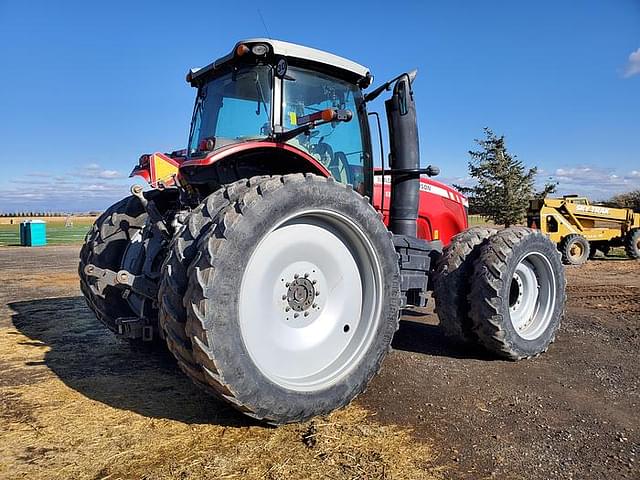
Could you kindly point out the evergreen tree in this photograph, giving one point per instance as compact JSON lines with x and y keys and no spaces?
{"x":547,"y":189}
{"x":504,"y":186}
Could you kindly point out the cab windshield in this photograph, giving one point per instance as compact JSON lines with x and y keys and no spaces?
{"x":232,"y":108}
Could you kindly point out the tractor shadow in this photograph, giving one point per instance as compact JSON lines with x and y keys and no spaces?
{"x":89,"y":359}
{"x":145,"y":379}
{"x":427,"y":338}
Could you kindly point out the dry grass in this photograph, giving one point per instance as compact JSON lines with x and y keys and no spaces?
{"x":53,"y":432}
{"x":76,"y":403}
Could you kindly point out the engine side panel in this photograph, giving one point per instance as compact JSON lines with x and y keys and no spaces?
{"x":442,"y":211}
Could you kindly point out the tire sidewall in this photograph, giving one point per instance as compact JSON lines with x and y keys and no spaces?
{"x":532,"y":243}
{"x":223,"y":325}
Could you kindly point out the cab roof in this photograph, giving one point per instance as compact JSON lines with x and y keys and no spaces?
{"x":290,"y":51}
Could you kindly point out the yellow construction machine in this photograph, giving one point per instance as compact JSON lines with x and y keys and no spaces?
{"x":580,"y":228}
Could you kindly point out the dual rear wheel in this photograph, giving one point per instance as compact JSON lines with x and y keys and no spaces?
{"x":503,"y":291}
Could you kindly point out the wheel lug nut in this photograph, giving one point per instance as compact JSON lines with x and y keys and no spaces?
{"x":306,"y":275}
{"x":287,"y":309}
{"x":296,"y":315}
{"x":315,"y":305}
{"x":306,"y":314}
{"x":284,"y":297}
{"x":296,"y":276}
{"x":317,"y":293}
{"x":314,"y":281}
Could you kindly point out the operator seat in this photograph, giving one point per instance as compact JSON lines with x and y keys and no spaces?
{"x":334,"y":162}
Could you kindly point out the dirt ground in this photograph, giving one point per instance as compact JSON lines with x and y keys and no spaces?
{"x":77,"y":403}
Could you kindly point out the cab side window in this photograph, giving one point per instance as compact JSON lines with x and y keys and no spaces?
{"x":337,"y":145}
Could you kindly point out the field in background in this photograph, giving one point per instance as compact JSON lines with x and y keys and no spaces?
{"x":475,"y":220}
{"x":57,"y":232}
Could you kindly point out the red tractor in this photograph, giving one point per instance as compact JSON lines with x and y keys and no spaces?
{"x":260,"y":259}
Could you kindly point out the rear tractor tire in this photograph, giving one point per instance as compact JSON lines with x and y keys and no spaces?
{"x":575,"y":249}
{"x":452,"y":283}
{"x":518,"y":293}
{"x":632,"y":243}
{"x":293,"y":299}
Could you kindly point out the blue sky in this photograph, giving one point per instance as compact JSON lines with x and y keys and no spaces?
{"x":86,"y":87}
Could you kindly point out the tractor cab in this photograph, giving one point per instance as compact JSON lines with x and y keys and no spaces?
{"x":268,"y":91}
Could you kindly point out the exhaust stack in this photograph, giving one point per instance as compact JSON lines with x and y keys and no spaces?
{"x":404,"y":159}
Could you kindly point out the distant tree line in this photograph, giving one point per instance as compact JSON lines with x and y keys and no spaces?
{"x":34,"y":214}
{"x":625,"y":200}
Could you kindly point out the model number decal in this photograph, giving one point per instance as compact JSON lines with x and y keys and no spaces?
{"x":592,"y":209}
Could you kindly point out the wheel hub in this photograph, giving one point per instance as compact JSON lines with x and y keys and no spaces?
{"x":309,"y":300}
{"x":301,"y":293}
{"x":576,"y":250}
{"x":532,"y":296}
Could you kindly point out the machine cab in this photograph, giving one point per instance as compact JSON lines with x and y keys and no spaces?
{"x":575,"y":199}
{"x":264,"y":88}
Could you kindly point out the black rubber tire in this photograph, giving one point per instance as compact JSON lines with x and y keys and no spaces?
{"x":174,"y":281}
{"x":452,"y":282}
{"x":632,"y":243}
{"x":212,"y":311}
{"x":570,"y":241}
{"x":489,"y":296}
{"x":104,"y":247}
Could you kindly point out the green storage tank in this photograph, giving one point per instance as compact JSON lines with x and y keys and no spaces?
{"x":33,"y":233}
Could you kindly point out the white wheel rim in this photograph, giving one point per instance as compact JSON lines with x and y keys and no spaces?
{"x":532,"y":296}
{"x":310,"y":300}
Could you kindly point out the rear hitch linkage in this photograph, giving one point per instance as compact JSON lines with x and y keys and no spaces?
{"x":123,"y":279}
{"x":154,"y":214}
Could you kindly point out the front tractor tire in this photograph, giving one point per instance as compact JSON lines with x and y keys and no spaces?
{"x":105,"y":247}
{"x":575,"y":249}
{"x":181,"y":253}
{"x":293,"y":299}
{"x":518,"y":293}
